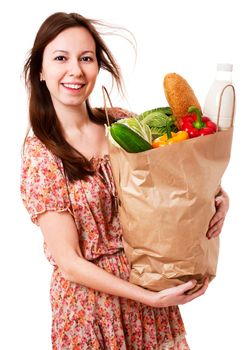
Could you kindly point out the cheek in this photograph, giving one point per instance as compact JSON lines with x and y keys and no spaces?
{"x":52,"y":77}
{"x":93,"y":73}
{"x":51,"y":71}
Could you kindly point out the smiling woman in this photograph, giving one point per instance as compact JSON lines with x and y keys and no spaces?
{"x":67,"y":50}
{"x":68,"y":189}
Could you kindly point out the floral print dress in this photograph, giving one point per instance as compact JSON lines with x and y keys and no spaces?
{"x":83,"y":318}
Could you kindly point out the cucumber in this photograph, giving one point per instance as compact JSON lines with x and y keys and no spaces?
{"x":128,"y":139}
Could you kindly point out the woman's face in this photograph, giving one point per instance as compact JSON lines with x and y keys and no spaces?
{"x":70,"y":67}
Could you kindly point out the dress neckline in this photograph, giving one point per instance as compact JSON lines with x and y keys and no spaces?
{"x":96,"y":161}
{"x":95,"y":158}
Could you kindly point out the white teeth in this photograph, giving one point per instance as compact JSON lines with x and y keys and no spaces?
{"x":73,"y":86}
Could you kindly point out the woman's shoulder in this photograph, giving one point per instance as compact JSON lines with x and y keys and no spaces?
{"x":33,"y":141}
{"x":34,"y":147}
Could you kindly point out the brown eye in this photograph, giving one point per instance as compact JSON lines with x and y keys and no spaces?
{"x":87,"y":59}
{"x":60,"y":58}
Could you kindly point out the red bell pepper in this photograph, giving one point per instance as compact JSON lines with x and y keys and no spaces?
{"x":195,"y":124}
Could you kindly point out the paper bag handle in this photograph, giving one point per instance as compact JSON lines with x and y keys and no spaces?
{"x":106,"y":94}
{"x":114,"y":169}
{"x":220,"y":103}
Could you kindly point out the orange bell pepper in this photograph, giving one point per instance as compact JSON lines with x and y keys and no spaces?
{"x":170,"y":137}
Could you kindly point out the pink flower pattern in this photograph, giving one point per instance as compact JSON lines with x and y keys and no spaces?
{"x":83,"y":318}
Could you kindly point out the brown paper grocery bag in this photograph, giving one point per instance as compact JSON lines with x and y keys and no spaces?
{"x":166,"y":200}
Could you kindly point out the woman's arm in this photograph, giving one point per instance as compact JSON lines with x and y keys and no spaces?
{"x":216,"y":223}
{"x":61,"y":237}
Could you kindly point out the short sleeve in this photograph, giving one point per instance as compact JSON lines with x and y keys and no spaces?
{"x":43,"y":185}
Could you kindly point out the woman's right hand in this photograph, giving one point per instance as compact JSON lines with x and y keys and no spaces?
{"x":176,"y":295}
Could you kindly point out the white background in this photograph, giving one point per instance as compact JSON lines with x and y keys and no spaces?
{"x":187,"y":37}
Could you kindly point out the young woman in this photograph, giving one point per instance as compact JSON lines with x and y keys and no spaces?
{"x":67,"y":187}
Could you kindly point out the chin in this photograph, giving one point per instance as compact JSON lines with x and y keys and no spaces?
{"x":75,"y":102}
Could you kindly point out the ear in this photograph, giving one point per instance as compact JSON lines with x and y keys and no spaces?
{"x":41,"y":77}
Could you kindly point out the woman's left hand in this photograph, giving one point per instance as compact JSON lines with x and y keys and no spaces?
{"x":216,"y":223}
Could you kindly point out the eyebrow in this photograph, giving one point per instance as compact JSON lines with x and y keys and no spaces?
{"x":83,"y":52}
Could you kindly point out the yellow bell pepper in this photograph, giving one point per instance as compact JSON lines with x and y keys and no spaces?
{"x":164,"y":140}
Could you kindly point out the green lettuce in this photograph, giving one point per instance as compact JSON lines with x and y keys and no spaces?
{"x":141,"y":129}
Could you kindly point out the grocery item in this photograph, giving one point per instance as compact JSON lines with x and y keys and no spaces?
{"x":195,"y":124}
{"x":140,"y":128}
{"x":156,"y":120}
{"x":128,"y":139}
{"x":179,"y":94}
{"x":222,"y":83}
{"x":170,"y":137}
{"x":175,"y":137}
{"x":164,"y":110}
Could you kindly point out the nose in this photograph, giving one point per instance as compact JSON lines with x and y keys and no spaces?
{"x":74,"y":68}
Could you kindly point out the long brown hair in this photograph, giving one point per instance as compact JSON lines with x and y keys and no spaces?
{"x":42,"y":115}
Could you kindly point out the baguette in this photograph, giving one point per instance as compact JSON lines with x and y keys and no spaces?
{"x":179,"y":94}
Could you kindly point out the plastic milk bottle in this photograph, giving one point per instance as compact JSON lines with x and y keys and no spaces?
{"x":222,"y":80}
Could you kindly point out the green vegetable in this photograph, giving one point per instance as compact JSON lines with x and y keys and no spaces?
{"x":140,"y":128}
{"x":128,"y":139}
{"x":157,"y":120}
{"x":163,"y":110}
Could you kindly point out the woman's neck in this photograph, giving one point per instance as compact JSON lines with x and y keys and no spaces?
{"x":73,"y":119}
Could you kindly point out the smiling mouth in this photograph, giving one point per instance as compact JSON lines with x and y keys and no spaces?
{"x":73,"y":86}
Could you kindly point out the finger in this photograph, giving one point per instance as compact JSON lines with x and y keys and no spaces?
{"x":219,"y":215}
{"x":186,"y":286}
{"x":218,"y":201}
{"x":199,"y":292}
{"x":221,"y":205}
{"x":217,"y":224}
{"x":215,"y":230}
{"x":216,"y":233}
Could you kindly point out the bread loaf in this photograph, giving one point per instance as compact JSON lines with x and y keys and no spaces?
{"x":179,"y":94}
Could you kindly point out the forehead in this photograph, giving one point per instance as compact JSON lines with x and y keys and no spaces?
{"x":72,"y":39}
